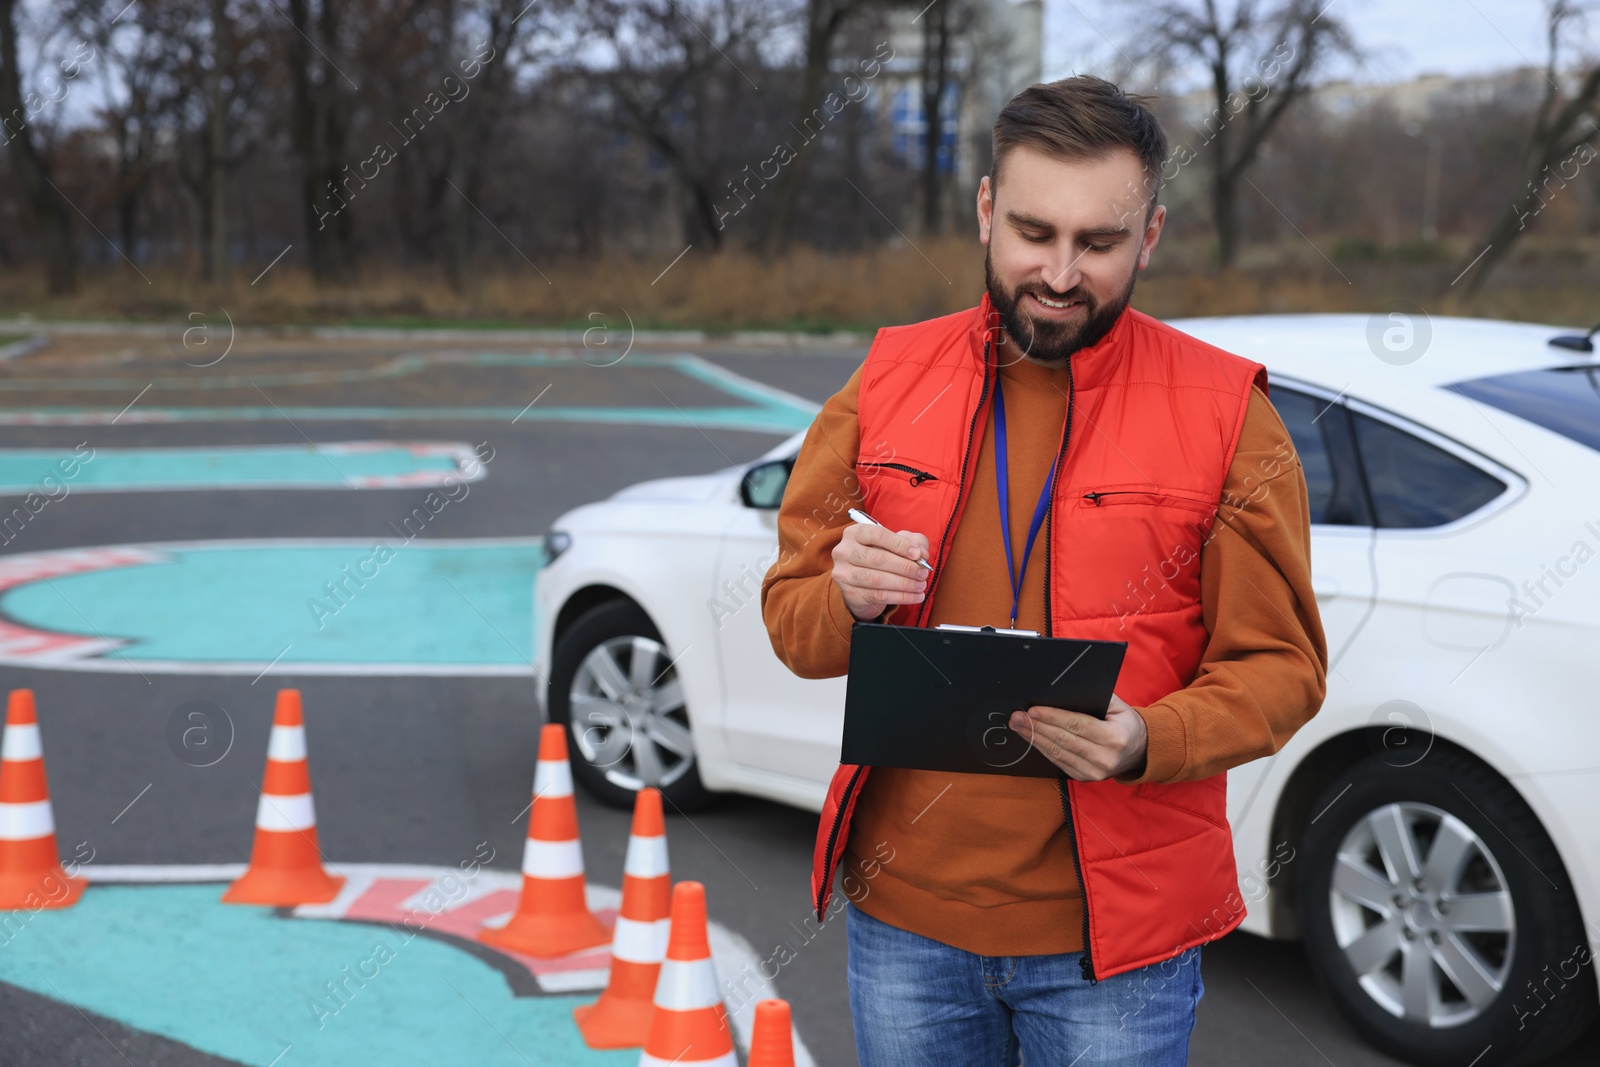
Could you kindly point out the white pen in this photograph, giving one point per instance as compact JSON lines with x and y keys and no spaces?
{"x":858,"y":515}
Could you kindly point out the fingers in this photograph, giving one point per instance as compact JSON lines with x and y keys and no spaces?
{"x":878,"y":548}
{"x":870,"y":573}
{"x":1083,"y":746}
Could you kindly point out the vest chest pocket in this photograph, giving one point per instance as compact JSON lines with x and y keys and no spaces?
{"x":1135,"y":547}
{"x":913,"y":474}
{"x":903,"y":492}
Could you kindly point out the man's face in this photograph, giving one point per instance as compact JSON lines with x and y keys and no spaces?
{"x":1066,"y":241}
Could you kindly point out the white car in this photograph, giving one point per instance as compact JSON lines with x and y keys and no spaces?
{"x":1432,"y":835}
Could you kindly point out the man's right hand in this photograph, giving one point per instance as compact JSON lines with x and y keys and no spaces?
{"x":875,"y":567}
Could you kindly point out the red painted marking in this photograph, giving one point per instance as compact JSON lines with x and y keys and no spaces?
{"x":383,"y":902}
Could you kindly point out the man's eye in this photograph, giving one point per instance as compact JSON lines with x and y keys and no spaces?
{"x":1099,"y":248}
{"x":1036,"y":238}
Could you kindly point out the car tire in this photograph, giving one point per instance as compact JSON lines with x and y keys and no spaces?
{"x":614,"y":686}
{"x":1407,"y":870}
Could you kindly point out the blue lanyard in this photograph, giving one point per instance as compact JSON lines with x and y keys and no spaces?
{"x":1005,"y":510}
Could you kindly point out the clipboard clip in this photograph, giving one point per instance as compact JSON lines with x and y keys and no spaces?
{"x":986,"y":630}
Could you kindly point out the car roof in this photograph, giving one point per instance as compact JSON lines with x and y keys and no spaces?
{"x":1341,"y":352}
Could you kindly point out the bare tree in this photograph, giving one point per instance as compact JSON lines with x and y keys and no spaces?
{"x":683,"y":86}
{"x":1565,"y":130}
{"x":949,"y":47}
{"x":319,"y":125}
{"x":50,"y":208}
{"x":824,"y":19}
{"x":1260,"y":60}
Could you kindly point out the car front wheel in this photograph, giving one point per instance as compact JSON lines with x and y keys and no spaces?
{"x":1437,"y":913}
{"x":615,"y":687}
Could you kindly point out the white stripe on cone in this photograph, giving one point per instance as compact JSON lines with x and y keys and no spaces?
{"x":552,"y":778}
{"x":552,"y":859}
{"x":22,"y":742}
{"x":285,"y":813}
{"x":640,"y":942}
{"x":687,"y":985}
{"x":647,"y":857}
{"x":288,"y":744}
{"x":23,"y":822}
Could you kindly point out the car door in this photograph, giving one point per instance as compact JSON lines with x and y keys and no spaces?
{"x":1441,"y":606}
{"x":1343,"y":571}
{"x":773,"y":719}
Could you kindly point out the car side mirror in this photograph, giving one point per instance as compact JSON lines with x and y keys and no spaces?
{"x":763,"y":484}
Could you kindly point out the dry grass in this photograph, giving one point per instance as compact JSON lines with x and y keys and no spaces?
{"x":814,"y":291}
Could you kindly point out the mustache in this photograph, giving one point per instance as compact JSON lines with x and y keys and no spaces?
{"x":1075,"y":293}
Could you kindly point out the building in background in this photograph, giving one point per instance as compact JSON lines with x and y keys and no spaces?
{"x":992,"y":49}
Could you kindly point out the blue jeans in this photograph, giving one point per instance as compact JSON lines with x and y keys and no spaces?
{"x":921,"y":1003}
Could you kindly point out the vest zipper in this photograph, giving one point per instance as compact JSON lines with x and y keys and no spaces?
{"x":833,"y":838}
{"x":1086,"y":960}
{"x":1095,"y":496}
{"x":961,"y":485}
{"x":917,"y":477}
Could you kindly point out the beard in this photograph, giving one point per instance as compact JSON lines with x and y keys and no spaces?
{"x":1049,"y":342}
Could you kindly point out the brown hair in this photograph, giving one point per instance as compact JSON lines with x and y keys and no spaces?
{"x":1082,"y":117}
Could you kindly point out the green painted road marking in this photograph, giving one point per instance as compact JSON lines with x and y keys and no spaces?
{"x":242,"y":983}
{"x":388,"y":605}
{"x":336,"y":465}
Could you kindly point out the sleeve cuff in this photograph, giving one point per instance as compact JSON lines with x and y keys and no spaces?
{"x":1166,"y":746}
{"x":838,"y":610}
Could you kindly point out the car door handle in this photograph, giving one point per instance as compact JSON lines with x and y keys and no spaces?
{"x":1324,"y":587}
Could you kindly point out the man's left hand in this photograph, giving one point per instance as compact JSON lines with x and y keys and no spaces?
{"x":1087,"y":748}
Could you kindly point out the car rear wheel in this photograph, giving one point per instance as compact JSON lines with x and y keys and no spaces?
{"x":615,"y":687}
{"x":1437,"y":913}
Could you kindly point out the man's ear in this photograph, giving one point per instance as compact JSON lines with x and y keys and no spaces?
{"x":1152,"y":235}
{"x":985,"y":209}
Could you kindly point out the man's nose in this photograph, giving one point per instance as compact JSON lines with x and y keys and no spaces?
{"x":1064,"y":272}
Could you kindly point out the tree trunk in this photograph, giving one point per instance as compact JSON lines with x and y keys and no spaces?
{"x":821,"y":27}
{"x":935,"y":77}
{"x":1224,"y":172}
{"x":50,"y":207}
{"x":318,"y":137}
{"x":216,"y":179}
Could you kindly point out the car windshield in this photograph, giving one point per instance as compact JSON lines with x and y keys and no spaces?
{"x":1563,"y":399}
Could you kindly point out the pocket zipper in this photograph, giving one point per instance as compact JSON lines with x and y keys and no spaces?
{"x":917,"y":477}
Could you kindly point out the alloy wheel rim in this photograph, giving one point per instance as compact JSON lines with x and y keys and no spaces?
{"x":628,"y":715}
{"x":1423,"y":914}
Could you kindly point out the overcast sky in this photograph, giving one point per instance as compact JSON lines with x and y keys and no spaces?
{"x":1410,"y":37}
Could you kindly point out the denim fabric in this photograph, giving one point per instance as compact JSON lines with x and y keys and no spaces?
{"x":921,"y":1003}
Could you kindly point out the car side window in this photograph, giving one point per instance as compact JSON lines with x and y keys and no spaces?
{"x":1321,"y":435}
{"x":1415,"y":484}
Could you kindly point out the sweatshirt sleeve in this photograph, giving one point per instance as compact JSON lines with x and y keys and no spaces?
{"x":803,"y":608}
{"x":1264,"y":670}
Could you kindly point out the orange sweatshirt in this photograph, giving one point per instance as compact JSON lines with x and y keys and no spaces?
{"x":984,"y":862}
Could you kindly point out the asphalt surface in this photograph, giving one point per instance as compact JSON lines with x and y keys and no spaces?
{"x":418,"y":770}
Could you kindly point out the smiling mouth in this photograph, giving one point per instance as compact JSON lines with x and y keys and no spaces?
{"x":1057,"y":305}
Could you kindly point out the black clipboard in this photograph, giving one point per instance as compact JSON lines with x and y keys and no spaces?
{"x":936,"y":699}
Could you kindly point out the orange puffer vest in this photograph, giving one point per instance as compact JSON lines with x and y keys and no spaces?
{"x":1157,"y":416}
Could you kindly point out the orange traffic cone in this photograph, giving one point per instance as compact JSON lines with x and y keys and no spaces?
{"x":286,"y":864}
{"x":689,"y":1024}
{"x":621,"y":1017}
{"x":553,"y":916}
{"x":30,"y":870}
{"x":772,"y":1039}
